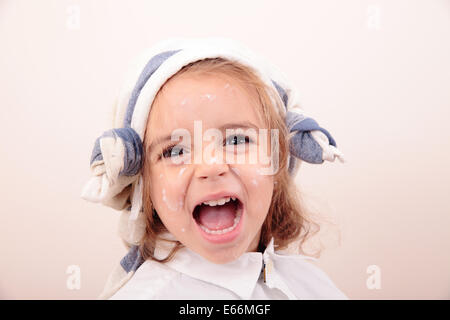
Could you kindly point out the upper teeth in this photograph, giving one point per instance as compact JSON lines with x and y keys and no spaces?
{"x":219,"y":202}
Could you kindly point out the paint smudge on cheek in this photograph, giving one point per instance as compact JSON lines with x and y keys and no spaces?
{"x":167,"y":202}
{"x":180,"y":173}
{"x":259,"y":175}
{"x":173,"y":207}
{"x":260,"y":172}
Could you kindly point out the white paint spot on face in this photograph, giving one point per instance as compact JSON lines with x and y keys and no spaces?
{"x":181,"y":171}
{"x":183,"y":230}
{"x":164,"y":199}
{"x":184,"y":101}
{"x":161,"y":176}
{"x":261,"y":172}
{"x":209,"y":96}
{"x":180,"y":203}
{"x":255,"y":182}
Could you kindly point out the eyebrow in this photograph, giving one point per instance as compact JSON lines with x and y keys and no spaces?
{"x":233,"y":125}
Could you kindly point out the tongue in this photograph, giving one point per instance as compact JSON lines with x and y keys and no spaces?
{"x":217,"y":217}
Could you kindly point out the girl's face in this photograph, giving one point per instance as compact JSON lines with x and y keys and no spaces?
{"x":190,"y":184}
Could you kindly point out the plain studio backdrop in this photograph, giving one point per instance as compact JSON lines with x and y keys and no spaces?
{"x":376,"y":74}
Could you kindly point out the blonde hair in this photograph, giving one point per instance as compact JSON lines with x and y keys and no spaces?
{"x":287,"y":220}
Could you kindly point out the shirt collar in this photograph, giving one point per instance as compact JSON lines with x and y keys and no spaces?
{"x":240,"y":276}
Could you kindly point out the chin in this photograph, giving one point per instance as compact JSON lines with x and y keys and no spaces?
{"x":223,"y":257}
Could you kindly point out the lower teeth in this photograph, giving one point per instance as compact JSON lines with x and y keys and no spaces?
{"x":222,"y":231}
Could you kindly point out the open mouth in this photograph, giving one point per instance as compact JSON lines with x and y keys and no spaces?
{"x":218,"y":217}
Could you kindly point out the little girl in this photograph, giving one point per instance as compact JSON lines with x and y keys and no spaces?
{"x":208,"y":138}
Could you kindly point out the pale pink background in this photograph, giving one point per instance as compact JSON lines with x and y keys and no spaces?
{"x":376,"y":74}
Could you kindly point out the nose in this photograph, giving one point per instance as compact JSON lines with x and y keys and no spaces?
{"x":211,"y":171}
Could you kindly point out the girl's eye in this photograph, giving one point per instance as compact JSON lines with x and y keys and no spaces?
{"x":237,"y":139}
{"x":172,"y":151}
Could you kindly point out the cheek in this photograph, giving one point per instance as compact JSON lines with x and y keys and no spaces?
{"x":168,"y":190}
{"x":259,"y":187}
{"x":258,"y":179}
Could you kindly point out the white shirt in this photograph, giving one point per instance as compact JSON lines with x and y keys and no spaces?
{"x":189,"y":276}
